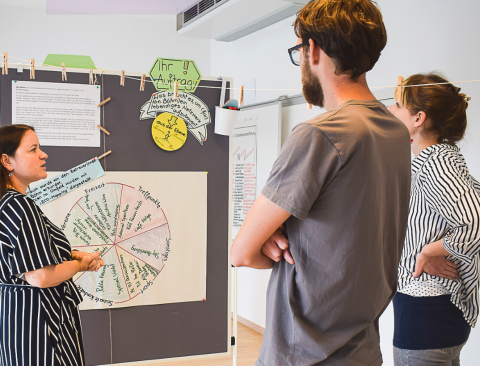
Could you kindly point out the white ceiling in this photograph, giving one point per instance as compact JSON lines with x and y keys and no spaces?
{"x":79,"y":6}
{"x":37,"y":4}
{"x":75,"y":7}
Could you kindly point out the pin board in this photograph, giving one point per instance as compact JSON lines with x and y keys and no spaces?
{"x":172,"y":329}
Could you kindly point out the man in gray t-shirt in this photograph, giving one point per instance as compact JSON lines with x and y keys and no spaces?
{"x":341,"y":188}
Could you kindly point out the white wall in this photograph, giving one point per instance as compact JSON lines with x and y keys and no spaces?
{"x":115,"y":42}
{"x":261,"y":55}
{"x":423,"y":36}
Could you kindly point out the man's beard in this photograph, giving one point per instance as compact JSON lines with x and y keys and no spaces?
{"x":312,"y":89}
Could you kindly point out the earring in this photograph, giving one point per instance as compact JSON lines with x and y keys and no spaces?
{"x":414,"y":132}
{"x":10,"y":174}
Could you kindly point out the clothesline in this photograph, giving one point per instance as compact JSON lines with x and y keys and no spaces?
{"x":102,"y":71}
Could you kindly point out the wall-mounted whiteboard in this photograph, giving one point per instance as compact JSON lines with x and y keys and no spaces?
{"x":265,"y":121}
{"x":268,"y":119}
{"x":261,"y":126}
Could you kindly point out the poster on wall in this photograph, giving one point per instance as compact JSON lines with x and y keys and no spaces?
{"x":151,"y":230}
{"x":189,"y":108}
{"x":62,"y":114}
{"x":244,"y":174}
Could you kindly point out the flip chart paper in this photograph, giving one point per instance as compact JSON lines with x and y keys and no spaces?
{"x":244,"y":174}
{"x":151,"y":230}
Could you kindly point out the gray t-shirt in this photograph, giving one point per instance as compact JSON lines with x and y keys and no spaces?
{"x":345,"y":179}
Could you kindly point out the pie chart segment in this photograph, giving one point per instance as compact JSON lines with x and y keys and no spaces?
{"x":102,"y":205}
{"x":81,"y":229}
{"x":138,"y":213}
{"x":108,"y":282}
{"x":138,"y":274}
{"x":150,"y":246}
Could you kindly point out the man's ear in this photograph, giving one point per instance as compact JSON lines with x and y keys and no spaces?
{"x":313,"y":52}
{"x":6,"y":161}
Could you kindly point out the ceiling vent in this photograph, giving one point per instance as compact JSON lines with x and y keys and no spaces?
{"x":198,"y":10}
{"x":228,"y":20}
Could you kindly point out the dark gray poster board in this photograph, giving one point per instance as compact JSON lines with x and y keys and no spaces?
{"x":155,"y":331}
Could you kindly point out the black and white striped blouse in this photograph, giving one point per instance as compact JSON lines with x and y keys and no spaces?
{"x":38,"y":326}
{"x":444,"y":203}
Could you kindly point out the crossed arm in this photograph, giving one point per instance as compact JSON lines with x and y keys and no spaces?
{"x":255,"y":244}
{"x":261,"y":242}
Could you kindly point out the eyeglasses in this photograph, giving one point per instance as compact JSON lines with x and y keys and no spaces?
{"x":294,"y":53}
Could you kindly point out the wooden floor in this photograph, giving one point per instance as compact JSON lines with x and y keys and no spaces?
{"x":249,"y":342}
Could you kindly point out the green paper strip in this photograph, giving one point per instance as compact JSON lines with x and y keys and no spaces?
{"x":79,"y":62}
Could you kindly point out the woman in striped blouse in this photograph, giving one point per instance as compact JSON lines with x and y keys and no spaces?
{"x":437,"y":301}
{"x":39,"y":318}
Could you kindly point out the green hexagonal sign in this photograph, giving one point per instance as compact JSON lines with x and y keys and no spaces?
{"x":165,"y":71}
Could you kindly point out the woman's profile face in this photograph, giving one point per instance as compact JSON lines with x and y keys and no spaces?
{"x":403,"y":115}
{"x":29,"y":161}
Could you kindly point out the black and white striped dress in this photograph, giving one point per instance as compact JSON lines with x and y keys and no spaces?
{"x":444,"y":203}
{"x":37,"y":326}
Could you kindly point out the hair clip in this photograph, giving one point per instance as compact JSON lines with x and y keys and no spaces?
{"x":467,"y":99}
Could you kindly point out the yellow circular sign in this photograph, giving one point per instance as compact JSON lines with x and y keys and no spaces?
{"x":169,"y":132}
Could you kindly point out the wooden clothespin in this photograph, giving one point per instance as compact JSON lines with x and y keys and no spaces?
{"x":142,"y":83}
{"x":103,"y":129}
{"x":103,"y":155}
{"x":122,"y":78}
{"x":398,"y":97}
{"x":309,"y":106}
{"x":105,"y":101}
{"x":32,"y":68}
{"x":5,"y":64}
{"x":175,"y":90}
{"x":90,"y":78}
{"x":241,"y":95}
{"x":64,"y":72}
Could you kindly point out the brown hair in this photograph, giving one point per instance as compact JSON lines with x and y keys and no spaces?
{"x":444,"y":106}
{"x":10,"y":138}
{"x":350,"y":32}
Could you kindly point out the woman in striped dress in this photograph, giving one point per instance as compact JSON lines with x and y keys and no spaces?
{"x":437,"y":301}
{"x":39,"y":318}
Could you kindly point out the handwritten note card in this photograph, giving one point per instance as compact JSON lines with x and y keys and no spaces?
{"x":63,"y":183}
